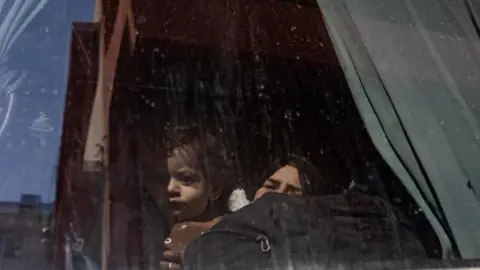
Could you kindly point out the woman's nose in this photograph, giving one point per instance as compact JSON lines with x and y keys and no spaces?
{"x":282,"y":189}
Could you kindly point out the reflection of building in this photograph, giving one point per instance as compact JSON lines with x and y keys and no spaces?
{"x":78,"y":188}
{"x":20,"y":233}
{"x":124,"y":51}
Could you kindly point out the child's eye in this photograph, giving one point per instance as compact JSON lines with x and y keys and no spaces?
{"x":186,"y":179}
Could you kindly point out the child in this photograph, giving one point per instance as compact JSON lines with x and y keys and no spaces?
{"x":198,"y":189}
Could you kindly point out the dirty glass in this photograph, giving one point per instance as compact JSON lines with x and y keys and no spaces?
{"x":242,"y":134}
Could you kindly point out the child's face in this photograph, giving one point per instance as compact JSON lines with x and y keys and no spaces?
{"x":188,"y":190}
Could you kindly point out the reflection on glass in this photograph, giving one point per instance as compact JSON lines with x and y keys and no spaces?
{"x":254,"y":133}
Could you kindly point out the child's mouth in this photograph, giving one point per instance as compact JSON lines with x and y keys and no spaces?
{"x":176,"y":206}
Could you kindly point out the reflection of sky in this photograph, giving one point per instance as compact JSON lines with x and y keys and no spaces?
{"x":28,"y":158}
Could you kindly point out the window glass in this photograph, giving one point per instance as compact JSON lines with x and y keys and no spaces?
{"x":239,"y":134}
{"x":35,"y":37}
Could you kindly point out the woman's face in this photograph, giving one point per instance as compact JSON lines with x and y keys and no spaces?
{"x":286,"y":181}
{"x":188,"y":190}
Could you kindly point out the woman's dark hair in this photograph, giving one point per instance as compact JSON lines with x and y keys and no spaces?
{"x":215,"y":164}
{"x":312,"y":181}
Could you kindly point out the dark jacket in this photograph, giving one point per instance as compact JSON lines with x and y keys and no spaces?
{"x":279,"y":230}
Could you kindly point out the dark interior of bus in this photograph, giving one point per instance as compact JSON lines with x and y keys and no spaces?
{"x":260,"y":107}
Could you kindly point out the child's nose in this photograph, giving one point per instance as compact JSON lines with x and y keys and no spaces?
{"x":173,"y":187}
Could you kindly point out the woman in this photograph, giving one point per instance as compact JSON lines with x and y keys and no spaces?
{"x":198,"y":189}
{"x":290,"y":175}
{"x":326,"y":226}
{"x":295,"y":175}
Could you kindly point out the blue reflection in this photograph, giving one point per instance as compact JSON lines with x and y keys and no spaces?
{"x":33,"y":79}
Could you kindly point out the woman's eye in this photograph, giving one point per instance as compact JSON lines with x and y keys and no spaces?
{"x":296,"y":193}
{"x":269,"y":186}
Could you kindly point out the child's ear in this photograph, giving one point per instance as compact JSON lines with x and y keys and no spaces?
{"x":215,"y":192}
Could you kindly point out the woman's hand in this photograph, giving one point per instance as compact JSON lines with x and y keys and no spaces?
{"x":172,"y":257}
{"x":169,"y":265}
{"x":174,"y":246}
